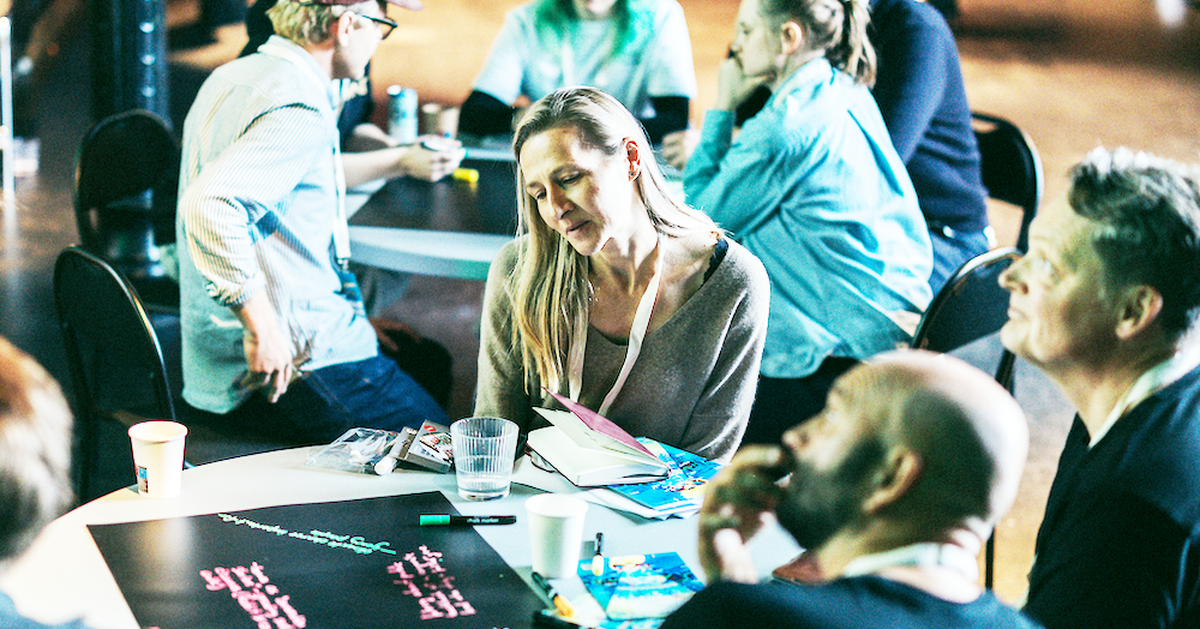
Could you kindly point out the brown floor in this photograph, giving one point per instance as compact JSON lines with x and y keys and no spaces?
{"x":1070,"y":83}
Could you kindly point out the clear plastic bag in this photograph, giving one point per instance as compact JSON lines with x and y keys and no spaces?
{"x":360,"y":450}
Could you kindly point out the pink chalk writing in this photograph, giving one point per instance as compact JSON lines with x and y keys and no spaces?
{"x":256,"y":595}
{"x":423,"y":577}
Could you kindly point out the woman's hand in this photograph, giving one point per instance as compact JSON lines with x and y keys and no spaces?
{"x":734,"y":87}
{"x":677,"y":147}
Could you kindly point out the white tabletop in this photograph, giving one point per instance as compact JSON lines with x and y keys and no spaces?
{"x":461,"y":255}
{"x":64,"y":576}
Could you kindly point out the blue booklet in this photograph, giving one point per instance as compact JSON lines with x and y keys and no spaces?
{"x":639,"y":587}
{"x":682,"y":491}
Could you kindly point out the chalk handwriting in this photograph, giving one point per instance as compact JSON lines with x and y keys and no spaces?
{"x":256,"y":595}
{"x":421,"y":575}
{"x":355,"y":543}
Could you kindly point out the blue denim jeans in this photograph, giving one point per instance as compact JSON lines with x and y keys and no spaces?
{"x":319,"y":407}
{"x":951,"y":250}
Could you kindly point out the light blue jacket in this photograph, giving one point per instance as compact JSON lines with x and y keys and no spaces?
{"x":815,"y":189}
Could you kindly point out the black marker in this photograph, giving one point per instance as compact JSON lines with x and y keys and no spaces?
{"x":466,"y":520}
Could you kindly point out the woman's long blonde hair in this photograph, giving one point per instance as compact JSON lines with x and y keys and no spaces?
{"x":549,"y":284}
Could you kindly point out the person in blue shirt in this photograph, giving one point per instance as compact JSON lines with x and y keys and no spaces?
{"x":813,"y":186}
{"x":638,"y":51}
{"x":919,"y":90}
{"x":274,"y":342}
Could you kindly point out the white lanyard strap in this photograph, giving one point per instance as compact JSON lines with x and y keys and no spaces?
{"x":637,"y":332}
{"x":920,"y":555}
{"x":341,"y":226}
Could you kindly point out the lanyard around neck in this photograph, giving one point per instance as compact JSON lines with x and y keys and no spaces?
{"x":922,"y":555}
{"x":341,"y":225}
{"x":637,"y":332}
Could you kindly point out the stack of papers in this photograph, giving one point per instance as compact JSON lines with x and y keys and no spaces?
{"x":681,"y":493}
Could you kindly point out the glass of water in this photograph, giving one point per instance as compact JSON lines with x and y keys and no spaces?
{"x":484,"y":449}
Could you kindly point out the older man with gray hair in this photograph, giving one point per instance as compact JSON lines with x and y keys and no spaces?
{"x":1103,"y":304}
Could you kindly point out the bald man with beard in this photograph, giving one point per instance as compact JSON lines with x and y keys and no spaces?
{"x":892,"y":490}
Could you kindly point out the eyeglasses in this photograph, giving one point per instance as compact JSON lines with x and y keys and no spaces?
{"x":386,"y":25}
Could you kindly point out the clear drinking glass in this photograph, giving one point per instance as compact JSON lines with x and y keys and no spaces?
{"x":484,"y":449}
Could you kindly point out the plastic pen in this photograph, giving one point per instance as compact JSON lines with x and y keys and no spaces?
{"x":598,"y":558}
{"x":560,"y":602}
{"x":466,"y":520}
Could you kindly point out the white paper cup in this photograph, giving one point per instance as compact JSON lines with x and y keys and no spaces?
{"x":158,"y":457}
{"x":484,"y":449}
{"x":555,"y":533}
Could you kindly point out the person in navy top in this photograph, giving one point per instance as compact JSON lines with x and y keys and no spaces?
{"x":919,"y":89}
{"x":1103,"y":304}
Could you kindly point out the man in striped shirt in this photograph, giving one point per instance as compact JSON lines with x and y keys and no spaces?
{"x":274,"y":343}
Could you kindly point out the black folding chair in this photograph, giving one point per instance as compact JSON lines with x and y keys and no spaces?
{"x":970,"y":306}
{"x":1011,"y":168}
{"x":125,"y":192}
{"x":118,"y":373}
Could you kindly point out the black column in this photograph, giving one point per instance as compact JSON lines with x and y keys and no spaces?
{"x":129,"y":57}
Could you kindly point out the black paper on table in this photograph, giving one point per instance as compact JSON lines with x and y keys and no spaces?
{"x":328,"y":562}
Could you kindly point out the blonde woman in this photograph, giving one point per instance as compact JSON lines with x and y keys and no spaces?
{"x":615,"y":294}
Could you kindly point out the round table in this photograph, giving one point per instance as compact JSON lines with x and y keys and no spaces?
{"x":63,"y":575}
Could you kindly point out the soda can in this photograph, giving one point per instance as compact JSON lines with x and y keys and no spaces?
{"x":402,"y":121}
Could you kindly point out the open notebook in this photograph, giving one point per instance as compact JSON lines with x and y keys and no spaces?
{"x":591,"y":451}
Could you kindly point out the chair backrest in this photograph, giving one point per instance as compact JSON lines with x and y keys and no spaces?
{"x":970,"y":306}
{"x":1011,"y":168}
{"x":127,"y":180}
{"x":113,"y":353}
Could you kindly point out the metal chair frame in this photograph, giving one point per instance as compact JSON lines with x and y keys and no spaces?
{"x":120,"y":371}
{"x":969,"y":307}
{"x":1011,"y":168}
{"x":109,"y":340}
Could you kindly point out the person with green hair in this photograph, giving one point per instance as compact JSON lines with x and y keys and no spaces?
{"x":638,"y":51}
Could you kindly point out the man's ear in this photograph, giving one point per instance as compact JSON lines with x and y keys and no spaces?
{"x":791,"y":37}
{"x":1139,"y":309}
{"x":342,"y":28}
{"x":895,"y":478}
